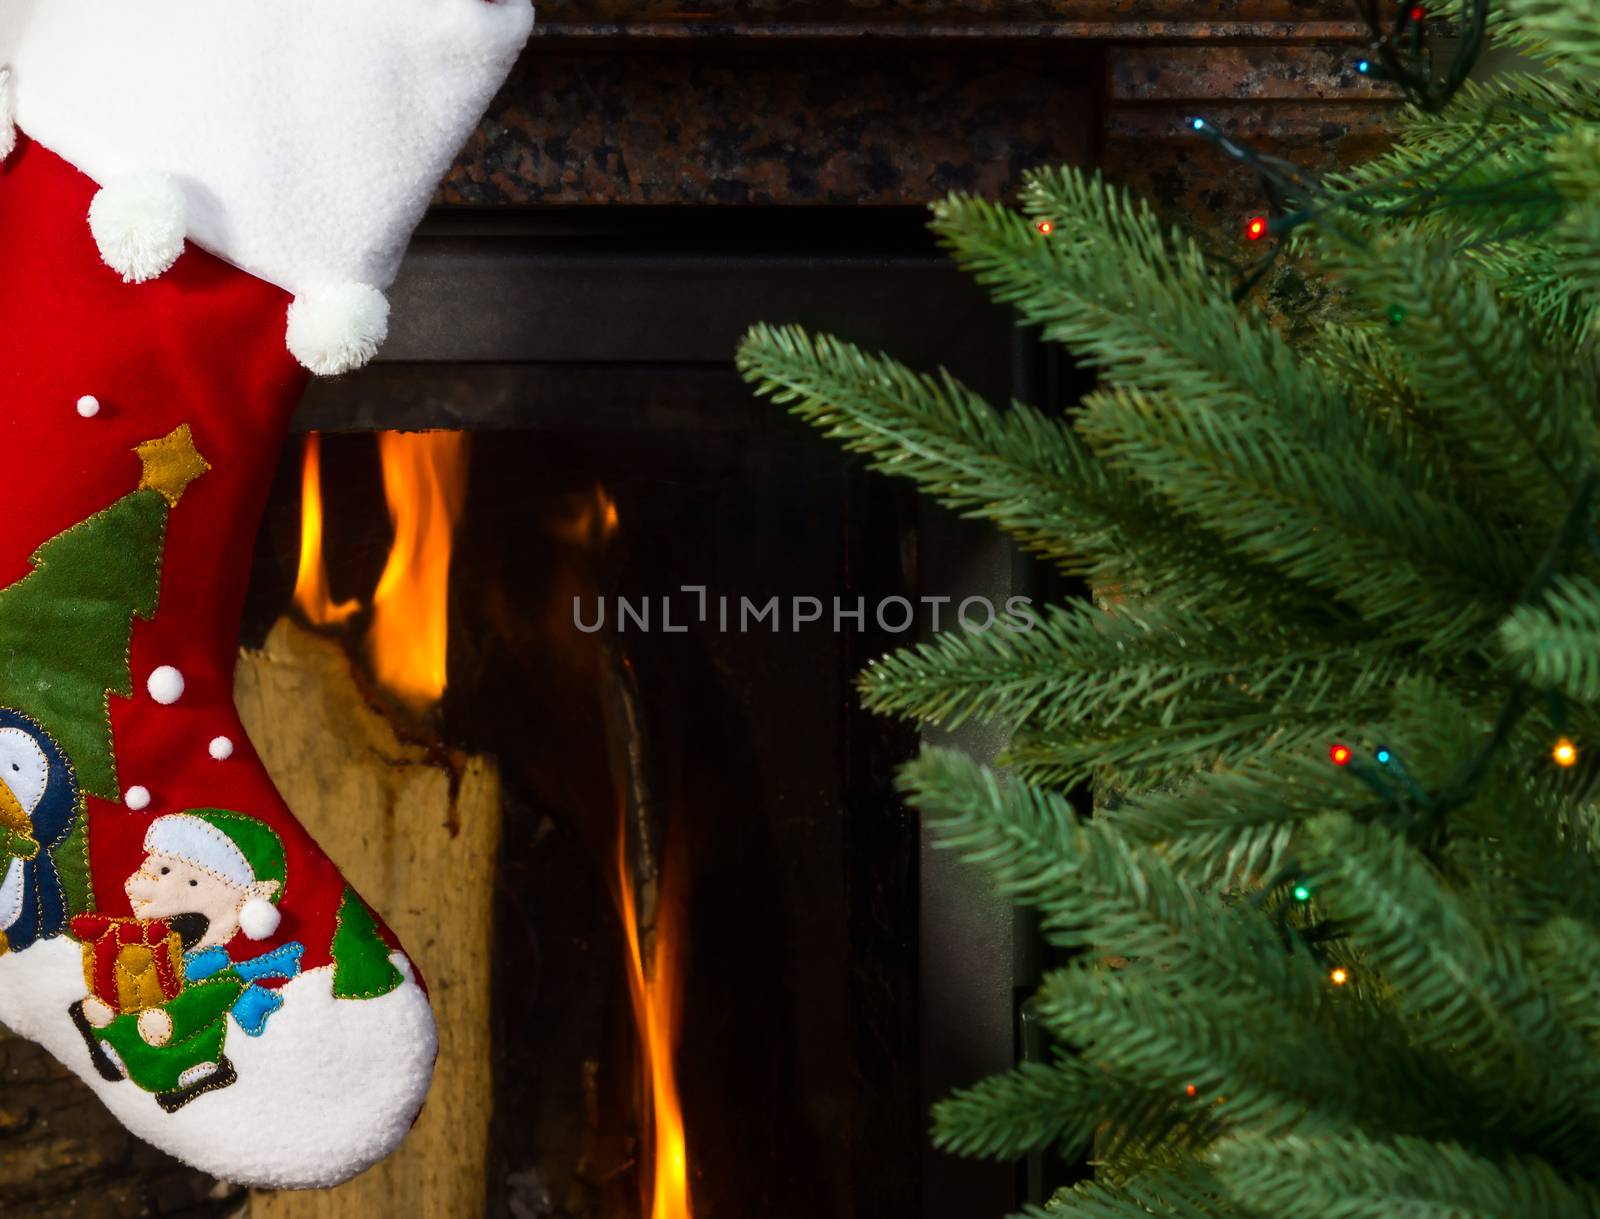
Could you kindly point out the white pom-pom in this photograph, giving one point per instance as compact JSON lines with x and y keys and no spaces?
{"x":137,"y":798}
{"x":259,"y":918}
{"x":139,"y":223}
{"x":221,"y":748}
{"x":165,"y":685}
{"x":88,"y":406}
{"x":338,"y":327}
{"x":8,"y":115}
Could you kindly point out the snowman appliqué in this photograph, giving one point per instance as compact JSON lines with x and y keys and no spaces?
{"x":38,"y":808}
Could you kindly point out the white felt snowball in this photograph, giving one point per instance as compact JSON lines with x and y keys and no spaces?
{"x":165,"y":684}
{"x":139,"y":222}
{"x":221,"y":748}
{"x":337,"y":327}
{"x":88,"y":406}
{"x":259,"y":918}
{"x":137,"y":798}
{"x":8,"y":115}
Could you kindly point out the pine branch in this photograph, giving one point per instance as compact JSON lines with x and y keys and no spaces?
{"x":1063,"y":1105}
{"x":1084,"y":665}
{"x":1356,"y":1177}
{"x":1091,"y":887}
{"x":1518,"y":410}
{"x":1135,"y":755}
{"x":1363,"y":359}
{"x":1273,"y":1068}
{"x":1182,"y":1192}
{"x":1556,"y":645}
{"x":1463,"y":990}
{"x":1470,"y":177}
{"x":1138,"y":303}
{"x":1020,"y":469}
{"x":1566,"y":33}
{"x":1027,"y":473}
{"x":1235,"y":826}
{"x":1565,"y":955}
{"x":1325,"y":517}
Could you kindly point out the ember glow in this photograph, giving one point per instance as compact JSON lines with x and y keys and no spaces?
{"x":592,"y":522}
{"x":654,"y":972}
{"x":311,"y":595}
{"x":425,"y":482}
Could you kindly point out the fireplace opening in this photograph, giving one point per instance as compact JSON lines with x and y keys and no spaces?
{"x":718,"y":974}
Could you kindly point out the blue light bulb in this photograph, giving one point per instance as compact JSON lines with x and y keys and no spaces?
{"x":1363,"y":67}
{"x":1198,"y":124}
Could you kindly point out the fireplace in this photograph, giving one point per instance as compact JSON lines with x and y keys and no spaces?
{"x":653,"y":179}
{"x":718,"y":940}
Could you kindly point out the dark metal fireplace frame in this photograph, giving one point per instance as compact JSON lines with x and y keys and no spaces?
{"x":566,"y":316}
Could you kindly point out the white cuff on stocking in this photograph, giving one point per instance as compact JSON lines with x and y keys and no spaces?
{"x":305,"y":137}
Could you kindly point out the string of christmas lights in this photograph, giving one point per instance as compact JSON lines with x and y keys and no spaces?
{"x":1398,"y":53}
{"x":1399,"y":794}
{"x":1401,"y":54}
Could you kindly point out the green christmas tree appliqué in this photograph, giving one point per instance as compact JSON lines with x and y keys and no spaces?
{"x":66,"y":628}
{"x":362,"y":968}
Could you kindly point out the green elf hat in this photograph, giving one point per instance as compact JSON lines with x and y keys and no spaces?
{"x":239,"y":849}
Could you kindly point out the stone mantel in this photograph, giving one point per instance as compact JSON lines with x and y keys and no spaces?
{"x":898,"y":102}
{"x":1120,"y":20}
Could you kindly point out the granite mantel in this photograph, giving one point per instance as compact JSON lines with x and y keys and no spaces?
{"x":898,"y":102}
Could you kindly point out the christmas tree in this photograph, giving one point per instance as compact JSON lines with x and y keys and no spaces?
{"x":66,"y":626}
{"x":1330,"y":947}
{"x":362,"y":968}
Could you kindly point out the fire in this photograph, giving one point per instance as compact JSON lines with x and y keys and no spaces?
{"x":592,"y":523}
{"x":424,"y":480}
{"x":653,"y":979}
{"x":311,"y":593}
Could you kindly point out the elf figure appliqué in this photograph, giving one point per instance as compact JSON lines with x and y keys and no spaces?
{"x":160,"y":998}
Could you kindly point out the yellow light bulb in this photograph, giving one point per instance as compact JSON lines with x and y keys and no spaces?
{"x":1340,"y":976}
{"x":1565,"y":752}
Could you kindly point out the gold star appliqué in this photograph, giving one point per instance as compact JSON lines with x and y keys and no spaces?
{"x":171,"y":464}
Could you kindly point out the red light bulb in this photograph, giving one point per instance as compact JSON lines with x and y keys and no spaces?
{"x":1340,"y":754}
{"x":1256,"y":229}
{"x":1419,"y":13}
{"x":1045,"y":228}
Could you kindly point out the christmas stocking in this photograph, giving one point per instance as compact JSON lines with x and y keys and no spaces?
{"x":197,"y":198}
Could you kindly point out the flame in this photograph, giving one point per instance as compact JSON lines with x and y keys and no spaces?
{"x":424,"y":480}
{"x":656,"y":1004}
{"x":311,"y":593}
{"x":592,"y":523}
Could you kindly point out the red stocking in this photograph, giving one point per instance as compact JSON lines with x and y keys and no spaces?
{"x":198,"y":199}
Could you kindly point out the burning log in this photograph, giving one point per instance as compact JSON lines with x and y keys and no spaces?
{"x":414,"y":825}
{"x":628,"y":746}
{"x":647,"y":883}
{"x":651,"y":917}
{"x":416,"y":829}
